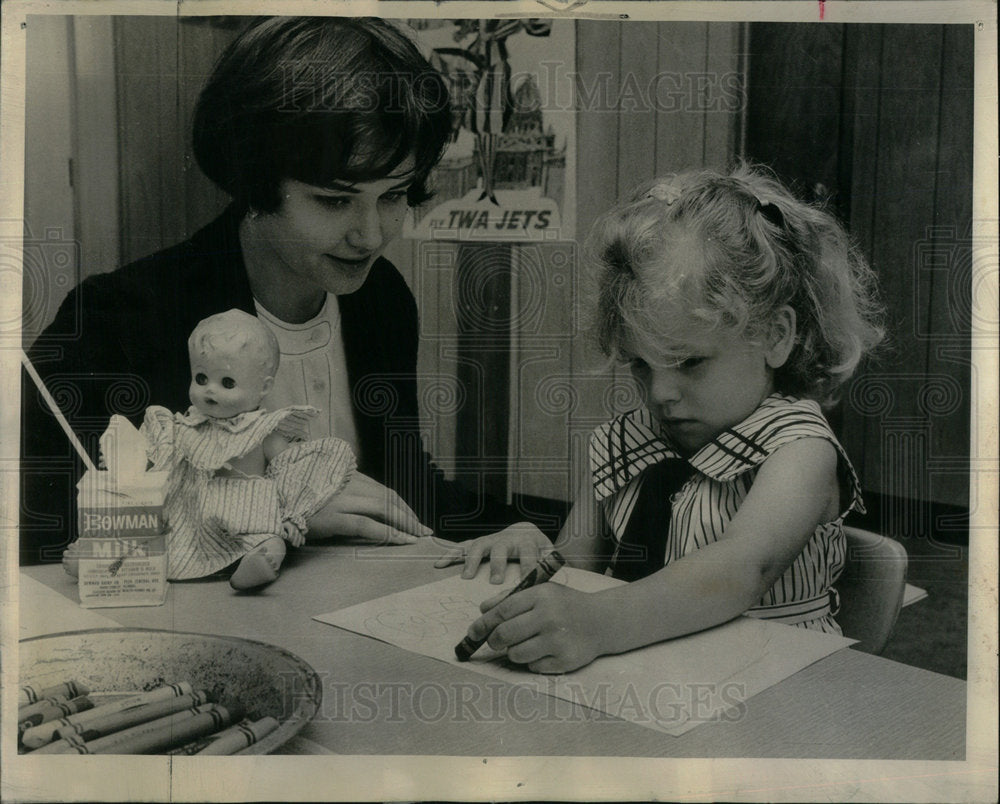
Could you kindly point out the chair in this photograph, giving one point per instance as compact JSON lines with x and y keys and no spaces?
{"x":871,"y":588}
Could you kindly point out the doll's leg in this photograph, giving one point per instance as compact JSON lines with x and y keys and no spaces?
{"x":260,"y":566}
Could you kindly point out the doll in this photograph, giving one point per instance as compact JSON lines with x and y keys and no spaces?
{"x":242,"y":479}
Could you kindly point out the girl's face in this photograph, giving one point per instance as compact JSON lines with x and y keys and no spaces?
{"x":322,"y":240}
{"x":705,"y":384}
{"x":223,"y":384}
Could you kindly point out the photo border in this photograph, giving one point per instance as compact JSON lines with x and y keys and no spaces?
{"x":532,"y":778}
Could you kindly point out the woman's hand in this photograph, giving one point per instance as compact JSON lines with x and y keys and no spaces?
{"x":522,"y":541}
{"x":550,"y":627}
{"x":368,"y":510}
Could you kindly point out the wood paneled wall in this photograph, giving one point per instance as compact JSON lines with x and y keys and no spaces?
{"x":161,"y":65}
{"x":877,"y":120}
{"x":48,"y":181}
{"x":71,"y":179}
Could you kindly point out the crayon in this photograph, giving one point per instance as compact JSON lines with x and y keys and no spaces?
{"x":543,"y":570}
{"x":53,"y":709}
{"x":75,"y":744}
{"x":31,"y":692}
{"x":26,"y":711}
{"x":66,"y":745}
{"x":164,"y":733}
{"x":44,"y":733}
{"x":72,"y":741}
{"x":233,"y":739}
{"x":126,"y":718}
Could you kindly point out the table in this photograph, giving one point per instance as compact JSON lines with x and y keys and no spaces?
{"x":379,"y":699}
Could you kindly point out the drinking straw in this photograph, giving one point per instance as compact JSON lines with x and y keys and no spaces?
{"x":26,"y":362}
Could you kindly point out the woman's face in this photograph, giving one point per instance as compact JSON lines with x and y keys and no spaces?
{"x":322,"y":240}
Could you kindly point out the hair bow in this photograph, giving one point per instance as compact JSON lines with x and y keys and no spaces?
{"x":770,"y":210}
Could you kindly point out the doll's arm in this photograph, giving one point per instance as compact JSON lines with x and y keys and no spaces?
{"x":255,"y":462}
{"x":308,"y":474}
{"x":274,"y":444}
{"x":552,"y":628}
{"x":158,"y":429}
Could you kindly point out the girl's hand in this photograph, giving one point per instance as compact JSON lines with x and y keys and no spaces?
{"x":522,"y":541}
{"x":550,"y":627}
{"x":368,"y":510}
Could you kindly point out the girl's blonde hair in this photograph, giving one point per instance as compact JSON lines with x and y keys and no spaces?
{"x":759,"y":249}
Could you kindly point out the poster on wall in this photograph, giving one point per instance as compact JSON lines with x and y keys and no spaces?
{"x":506,"y":173}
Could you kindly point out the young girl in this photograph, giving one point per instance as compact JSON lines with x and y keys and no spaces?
{"x":739,"y":311}
{"x":239,"y":486}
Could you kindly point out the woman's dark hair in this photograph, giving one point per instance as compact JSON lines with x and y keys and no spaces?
{"x":319,"y":100}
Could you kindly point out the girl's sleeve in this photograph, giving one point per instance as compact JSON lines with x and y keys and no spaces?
{"x":308,"y":475}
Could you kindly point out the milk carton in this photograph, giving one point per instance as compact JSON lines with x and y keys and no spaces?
{"x":122,"y":546}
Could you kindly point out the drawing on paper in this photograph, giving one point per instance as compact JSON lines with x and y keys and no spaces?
{"x":449,"y":614}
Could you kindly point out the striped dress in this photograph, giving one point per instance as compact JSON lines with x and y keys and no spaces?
{"x":213,"y":521}
{"x":723,"y":472}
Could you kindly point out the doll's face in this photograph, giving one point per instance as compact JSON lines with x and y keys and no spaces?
{"x":224,"y":383}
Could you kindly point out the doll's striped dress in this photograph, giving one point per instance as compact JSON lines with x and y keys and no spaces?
{"x":214,"y":520}
{"x":722,"y":473}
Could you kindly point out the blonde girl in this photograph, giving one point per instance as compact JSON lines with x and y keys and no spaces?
{"x":740,"y":311}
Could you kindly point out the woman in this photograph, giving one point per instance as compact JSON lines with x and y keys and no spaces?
{"x":322,"y":130}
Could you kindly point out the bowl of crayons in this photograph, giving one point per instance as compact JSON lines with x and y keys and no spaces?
{"x":141,"y":691}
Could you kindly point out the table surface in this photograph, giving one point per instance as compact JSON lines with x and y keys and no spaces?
{"x":380,"y":699}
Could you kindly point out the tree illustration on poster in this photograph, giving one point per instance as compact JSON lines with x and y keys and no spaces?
{"x":500,"y":186}
{"x":479,"y":76}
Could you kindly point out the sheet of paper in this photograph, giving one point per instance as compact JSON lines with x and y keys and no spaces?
{"x":671,"y":687}
{"x":911,"y":594}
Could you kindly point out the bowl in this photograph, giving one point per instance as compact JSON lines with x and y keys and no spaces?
{"x":266,"y":680}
